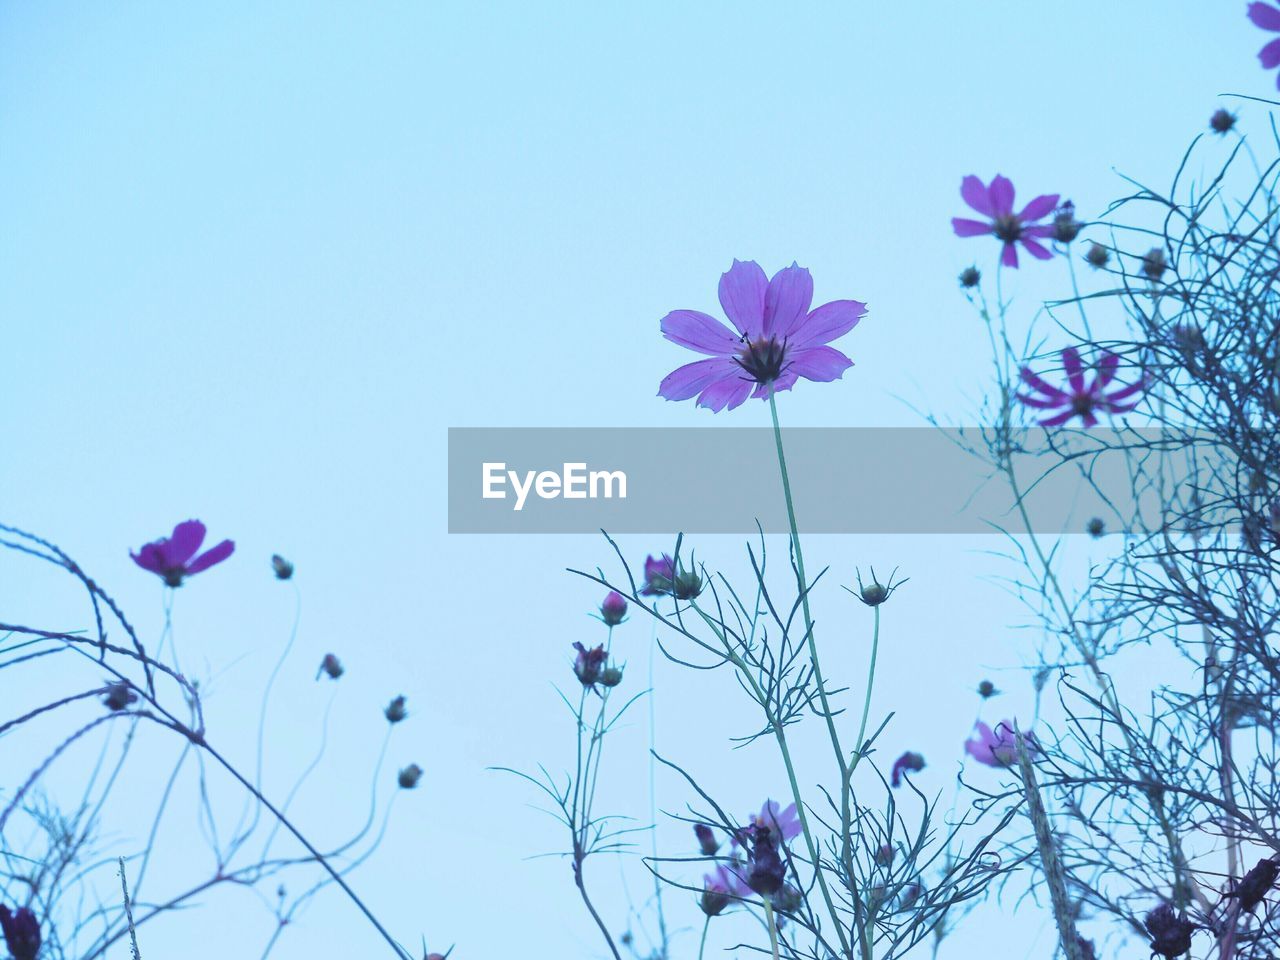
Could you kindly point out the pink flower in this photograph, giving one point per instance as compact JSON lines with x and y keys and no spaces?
{"x":782,"y":823}
{"x":1080,"y":400}
{"x":996,"y":201}
{"x":172,"y":557}
{"x":909,"y":761}
{"x":1268,"y":18}
{"x":613,"y":609}
{"x":998,"y":748}
{"x":659,"y":575}
{"x":775,"y":339}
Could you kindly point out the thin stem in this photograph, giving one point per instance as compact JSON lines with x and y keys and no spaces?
{"x":804,"y":589}
{"x":871,"y":680}
{"x":773,"y":927}
{"x":702,"y":943}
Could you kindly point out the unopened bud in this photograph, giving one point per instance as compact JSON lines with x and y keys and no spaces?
{"x":282,"y":567}
{"x":614,"y":608}
{"x":409,"y":776}
{"x":396,"y":710}
{"x":1097,"y":256}
{"x":970,"y":277}
{"x":331,"y":667}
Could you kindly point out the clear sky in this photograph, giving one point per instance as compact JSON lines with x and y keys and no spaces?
{"x":256,"y":258}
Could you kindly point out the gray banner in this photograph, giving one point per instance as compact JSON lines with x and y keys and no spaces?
{"x":856,"y":480}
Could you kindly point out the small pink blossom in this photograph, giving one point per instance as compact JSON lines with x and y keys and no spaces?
{"x":996,"y":201}
{"x":998,"y":748}
{"x":1267,"y":17}
{"x":174,"y":557}
{"x":1080,"y":399}
{"x":784,"y":823}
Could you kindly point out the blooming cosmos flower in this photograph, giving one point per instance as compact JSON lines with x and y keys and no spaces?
{"x":775,"y":339}
{"x":1080,"y":400}
{"x":21,"y":932}
{"x":589,"y":663}
{"x":1268,"y":18}
{"x":908,"y":761}
{"x":996,"y":201}
{"x":998,"y":748}
{"x":782,"y":823}
{"x":174,"y":557}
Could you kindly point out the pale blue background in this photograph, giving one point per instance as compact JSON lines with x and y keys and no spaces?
{"x":255,"y":258}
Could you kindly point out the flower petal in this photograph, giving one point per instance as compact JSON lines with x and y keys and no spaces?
{"x":211,"y":556}
{"x":1265,"y":16}
{"x":974,"y":193}
{"x":1074,"y":369}
{"x":182,"y":546}
{"x":1036,"y":382}
{"x":1059,"y":420}
{"x":820,"y":364}
{"x":787,"y":300}
{"x":691,"y":379}
{"x":1040,"y":207}
{"x":726,"y":394}
{"x":742,"y":290}
{"x":1010,"y":256}
{"x":1001,"y":193}
{"x":700,"y":332}
{"x":828,"y":322}
{"x":970,"y":228}
{"x":149,"y":558}
{"x":1270,"y":55}
{"x":1125,"y":392}
{"x":1038,"y":403}
{"x":1107,"y":368}
{"x":1035,"y":248}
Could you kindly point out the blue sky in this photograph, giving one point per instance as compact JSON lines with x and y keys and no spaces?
{"x":257,"y":259}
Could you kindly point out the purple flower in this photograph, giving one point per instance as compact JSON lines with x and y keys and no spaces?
{"x":719,"y":889}
{"x":613,"y":609}
{"x":996,"y":201}
{"x":765,"y":869}
{"x":1268,"y":18}
{"x":998,"y":748}
{"x":784,"y":824}
{"x":21,"y":932}
{"x":908,"y":761}
{"x":659,"y":574}
{"x":1170,"y":934}
{"x":1080,"y":399}
{"x":589,"y":664}
{"x":775,"y":338}
{"x":174,"y":557}
{"x":707,"y":841}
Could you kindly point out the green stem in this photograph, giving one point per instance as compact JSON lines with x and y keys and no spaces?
{"x":804,"y":589}
{"x":785,"y":751}
{"x":702,"y":944}
{"x":871,"y":680}
{"x":773,"y":927}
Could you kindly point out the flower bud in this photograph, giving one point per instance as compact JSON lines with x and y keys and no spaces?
{"x":282,"y":567}
{"x":1065,"y":225}
{"x":713,"y":900}
{"x":885,"y":855}
{"x":610,"y":676}
{"x":987,"y":690}
{"x":1154,"y":264}
{"x":119,"y":696}
{"x":1097,"y":256}
{"x":589,"y":664}
{"x":1222,"y":121}
{"x":873,"y":594}
{"x":409,"y":776}
{"x":707,"y":841}
{"x":1095,"y":527}
{"x":21,"y":932}
{"x":687,"y":586}
{"x":614,"y":608}
{"x":787,"y":900}
{"x":970,"y":277}
{"x":331,"y":667}
{"x":396,"y":710}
